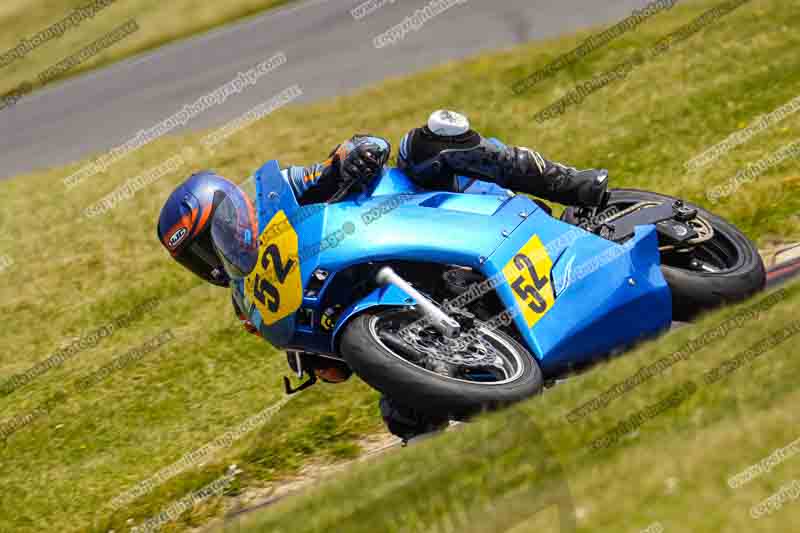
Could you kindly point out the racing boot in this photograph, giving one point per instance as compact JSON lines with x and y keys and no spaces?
{"x":408,"y":423}
{"x":524,"y":170}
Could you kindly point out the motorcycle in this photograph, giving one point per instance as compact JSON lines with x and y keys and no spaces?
{"x":458,"y":302}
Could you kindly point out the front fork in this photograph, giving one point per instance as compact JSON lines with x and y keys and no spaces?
{"x":446,"y":325}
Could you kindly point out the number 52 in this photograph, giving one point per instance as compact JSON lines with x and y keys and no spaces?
{"x":529,"y":293}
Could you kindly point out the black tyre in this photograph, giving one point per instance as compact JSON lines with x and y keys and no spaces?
{"x":724,"y":269}
{"x":426,"y":383}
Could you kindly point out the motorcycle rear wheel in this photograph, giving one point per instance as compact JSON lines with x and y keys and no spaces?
{"x":725,"y":269}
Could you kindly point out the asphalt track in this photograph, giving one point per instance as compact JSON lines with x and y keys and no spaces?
{"x":783,"y":273}
{"x":328,"y":53}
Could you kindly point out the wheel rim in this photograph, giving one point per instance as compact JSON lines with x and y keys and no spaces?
{"x":717,"y":255}
{"x":386,"y":328}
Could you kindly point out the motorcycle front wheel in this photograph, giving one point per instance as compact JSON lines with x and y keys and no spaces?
{"x":406,"y":359}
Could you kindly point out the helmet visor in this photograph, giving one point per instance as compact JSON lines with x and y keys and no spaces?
{"x":234,"y":234}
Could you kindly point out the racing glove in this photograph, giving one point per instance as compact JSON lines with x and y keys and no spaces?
{"x":358,"y":160}
{"x":362,"y":159}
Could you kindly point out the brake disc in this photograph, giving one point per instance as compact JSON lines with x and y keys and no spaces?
{"x":469,"y":349}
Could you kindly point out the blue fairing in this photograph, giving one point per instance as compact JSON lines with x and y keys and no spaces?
{"x":600,"y":304}
{"x":607,"y":295}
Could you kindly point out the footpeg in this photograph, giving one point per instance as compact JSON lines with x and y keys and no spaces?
{"x":299,"y":370}
{"x":287,"y":384}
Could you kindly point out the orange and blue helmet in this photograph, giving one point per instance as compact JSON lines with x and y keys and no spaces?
{"x":209,"y":226}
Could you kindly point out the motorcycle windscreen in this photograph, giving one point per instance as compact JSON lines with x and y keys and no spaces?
{"x":275,"y":284}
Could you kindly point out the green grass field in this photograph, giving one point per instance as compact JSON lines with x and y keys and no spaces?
{"x":159,"y":23}
{"x":71,"y":275}
{"x":508,"y":472}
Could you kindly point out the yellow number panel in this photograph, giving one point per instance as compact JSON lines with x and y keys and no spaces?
{"x":528,"y":275}
{"x":274,"y":285}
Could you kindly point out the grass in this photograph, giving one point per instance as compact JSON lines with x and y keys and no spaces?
{"x":71,"y":275}
{"x":512,"y":471}
{"x":159,"y":23}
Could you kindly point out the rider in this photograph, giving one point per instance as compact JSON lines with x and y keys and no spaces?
{"x":447,"y":154}
{"x":444,"y":154}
